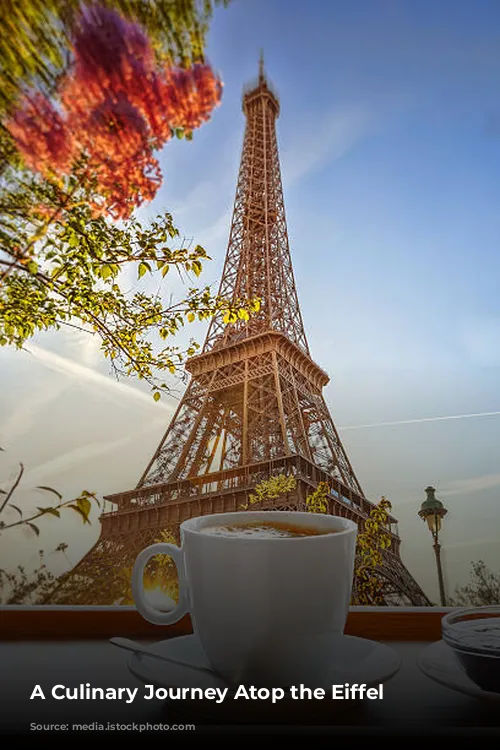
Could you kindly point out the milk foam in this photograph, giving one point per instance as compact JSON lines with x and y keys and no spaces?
{"x":264,"y":531}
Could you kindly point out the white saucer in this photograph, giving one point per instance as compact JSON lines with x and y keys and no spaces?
{"x":438,"y":662}
{"x":359,"y":661}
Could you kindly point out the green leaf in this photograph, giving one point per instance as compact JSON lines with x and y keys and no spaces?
{"x":35,"y":528}
{"x":32,"y":267}
{"x":143,"y":268}
{"x":157,"y":395}
{"x":197,"y":267}
{"x":82,"y":505}
{"x":51,"y":511}
{"x":106,"y":272}
{"x":50,"y":489}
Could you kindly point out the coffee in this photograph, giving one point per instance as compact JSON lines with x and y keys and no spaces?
{"x":264,"y":530}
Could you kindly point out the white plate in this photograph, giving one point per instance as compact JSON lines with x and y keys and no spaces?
{"x":359,"y":661}
{"x":439,"y":663}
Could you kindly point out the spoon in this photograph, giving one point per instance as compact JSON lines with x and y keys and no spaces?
{"x":138,"y":648}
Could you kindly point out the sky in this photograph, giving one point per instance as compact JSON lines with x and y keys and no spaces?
{"x":389,"y":138}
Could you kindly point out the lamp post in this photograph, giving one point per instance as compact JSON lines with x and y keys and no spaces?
{"x":433,"y":511}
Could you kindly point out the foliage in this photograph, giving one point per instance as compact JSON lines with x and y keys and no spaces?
{"x":19,"y":587}
{"x":114,"y":106}
{"x":483,"y":588}
{"x":75,"y":279}
{"x":35,"y":37}
{"x":371,"y":542}
{"x":81,"y":505}
{"x":271,"y":489}
{"x":88,"y":139}
{"x":317,"y":501}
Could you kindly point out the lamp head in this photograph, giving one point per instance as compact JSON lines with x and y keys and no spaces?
{"x":432,"y":510}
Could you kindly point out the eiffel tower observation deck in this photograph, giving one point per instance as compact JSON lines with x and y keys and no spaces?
{"x":253,"y":407}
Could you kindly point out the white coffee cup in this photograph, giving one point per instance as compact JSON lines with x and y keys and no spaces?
{"x":267,"y":611}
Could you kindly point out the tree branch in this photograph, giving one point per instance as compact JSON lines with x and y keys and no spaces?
{"x":13,"y":488}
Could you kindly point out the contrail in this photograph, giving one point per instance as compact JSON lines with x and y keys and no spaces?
{"x":424,"y":419}
{"x":86,"y":374}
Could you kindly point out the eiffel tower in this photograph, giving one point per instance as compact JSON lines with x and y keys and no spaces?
{"x":254,"y":406}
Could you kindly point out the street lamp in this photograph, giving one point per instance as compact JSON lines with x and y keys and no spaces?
{"x":433,"y":511}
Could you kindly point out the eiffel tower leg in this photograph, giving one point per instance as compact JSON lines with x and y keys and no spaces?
{"x":216,"y":443}
{"x":281,"y":411}
{"x":202,"y":454}
{"x":400,"y":588}
{"x":244,"y":434}
{"x":185,"y":459}
{"x":167,"y":453}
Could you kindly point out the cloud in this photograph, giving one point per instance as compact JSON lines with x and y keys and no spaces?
{"x":318,"y":143}
{"x":203,"y":195}
{"x":423,"y":419}
{"x":25,"y":411}
{"x":85,"y":348}
{"x":481,"y":541}
{"x":87,"y":375}
{"x":217,"y":231}
{"x":471,"y":484}
{"x":75,"y":457}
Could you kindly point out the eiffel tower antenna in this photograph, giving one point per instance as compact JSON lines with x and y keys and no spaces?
{"x":262,"y":75}
{"x":254,"y":405}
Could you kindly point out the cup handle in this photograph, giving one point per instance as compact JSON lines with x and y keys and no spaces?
{"x":146,"y":610}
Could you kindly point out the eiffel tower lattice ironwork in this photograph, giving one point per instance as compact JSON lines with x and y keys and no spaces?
{"x":254,"y":405}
